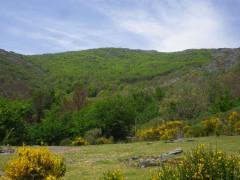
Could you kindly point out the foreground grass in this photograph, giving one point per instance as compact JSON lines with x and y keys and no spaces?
{"x":89,"y":162}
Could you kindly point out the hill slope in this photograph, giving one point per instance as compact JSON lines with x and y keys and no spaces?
{"x":18,"y":76}
{"x":107,"y":70}
{"x":127,"y":89}
{"x":112,"y":68}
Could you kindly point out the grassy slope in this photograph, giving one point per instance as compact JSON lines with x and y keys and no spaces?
{"x":112,"y":67}
{"x":89,"y":162}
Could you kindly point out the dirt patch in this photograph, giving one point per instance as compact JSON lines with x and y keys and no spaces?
{"x":63,"y":149}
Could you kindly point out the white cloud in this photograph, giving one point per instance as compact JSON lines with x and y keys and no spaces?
{"x":60,"y":34}
{"x":164,"y":25}
{"x":172,"y":25}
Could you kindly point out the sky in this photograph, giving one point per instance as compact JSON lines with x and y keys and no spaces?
{"x":48,"y":26}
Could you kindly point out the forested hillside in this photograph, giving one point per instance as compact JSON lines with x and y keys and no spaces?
{"x":111,"y":92}
{"x":18,"y":76}
{"x":112,"y":69}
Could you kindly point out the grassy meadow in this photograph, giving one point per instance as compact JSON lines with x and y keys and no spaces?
{"x":89,"y":162}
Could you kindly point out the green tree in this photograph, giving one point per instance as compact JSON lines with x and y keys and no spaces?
{"x":41,"y":100}
{"x":114,"y":115}
{"x":12,"y":121}
{"x":53,"y":128}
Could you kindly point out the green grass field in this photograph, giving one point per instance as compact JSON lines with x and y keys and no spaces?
{"x":89,"y":162}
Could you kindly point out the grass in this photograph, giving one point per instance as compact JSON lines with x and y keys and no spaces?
{"x":89,"y":162}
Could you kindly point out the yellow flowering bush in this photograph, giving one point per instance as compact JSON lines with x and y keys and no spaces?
{"x":113,"y":175}
{"x":202,"y":163}
{"x":237,"y":127}
{"x":232,"y":123}
{"x":233,"y":118}
{"x":168,"y":130}
{"x":227,"y":125}
{"x":35,"y":163}
{"x":211,"y":125}
{"x":148,"y":134}
{"x":79,"y":141}
{"x":51,"y":178}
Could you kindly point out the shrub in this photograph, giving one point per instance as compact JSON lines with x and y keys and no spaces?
{"x":113,"y":175}
{"x":148,"y":134}
{"x":197,"y":130}
{"x":79,"y":141}
{"x":188,"y":102}
{"x":92,"y":135}
{"x":145,"y":104}
{"x":223,"y":101}
{"x":104,"y":140}
{"x":171,"y":130}
{"x":66,"y":142}
{"x":12,"y":124}
{"x":202,"y":163}
{"x":211,"y":125}
{"x":35,"y":163}
{"x":232,"y":123}
{"x":114,"y":115}
{"x":168,"y":130}
{"x":52,"y":129}
{"x":237,"y":127}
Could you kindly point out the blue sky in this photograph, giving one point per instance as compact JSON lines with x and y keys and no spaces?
{"x":44,"y":26}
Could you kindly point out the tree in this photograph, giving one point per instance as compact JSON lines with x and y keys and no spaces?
{"x":114,"y":115}
{"x":77,"y":100}
{"x":12,"y":121}
{"x":53,"y":128}
{"x":145,"y":105}
{"x":188,"y":102}
{"x":41,"y":100}
{"x":79,"y":97}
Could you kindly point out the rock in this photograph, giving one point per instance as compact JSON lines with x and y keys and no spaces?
{"x":148,"y":143}
{"x":134,"y":158}
{"x":170,"y":141}
{"x":149,"y":161}
{"x":189,"y":140}
{"x":176,"y":151}
{"x":7,"y":150}
{"x":223,"y":59}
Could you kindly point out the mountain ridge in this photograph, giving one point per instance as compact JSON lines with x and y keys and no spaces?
{"x":102,"y":69}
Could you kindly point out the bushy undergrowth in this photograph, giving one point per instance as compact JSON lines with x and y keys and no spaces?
{"x":35,"y":163}
{"x":79,"y":141}
{"x":223,"y":125}
{"x":168,"y":130}
{"x":95,"y":136}
{"x":113,"y":175}
{"x":202,"y":163}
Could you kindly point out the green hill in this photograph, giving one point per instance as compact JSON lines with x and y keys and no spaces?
{"x":106,"y":70}
{"x":65,"y":95}
{"x":112,"y":68}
